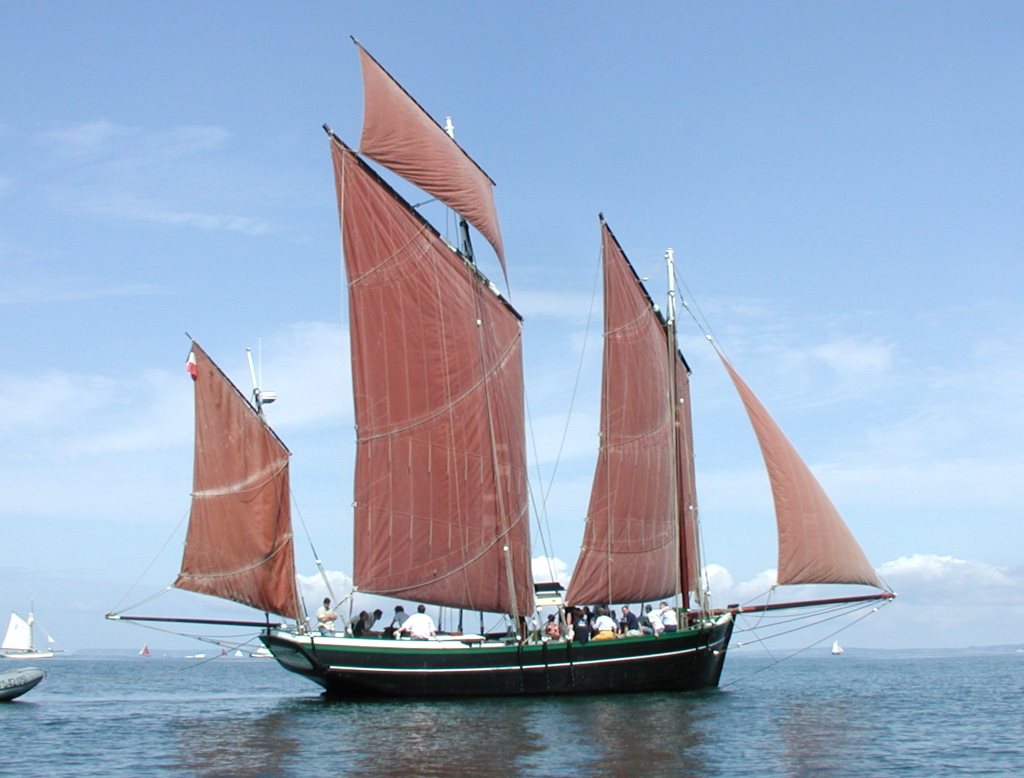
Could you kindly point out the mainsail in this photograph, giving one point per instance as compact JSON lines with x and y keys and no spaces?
{"x":239,"y":542}
{"x":815,"y":545}
{"x":639,"y":542}
{"x":400,"y":135}
{"x":440,"y":486}
{"x":18,"y":636}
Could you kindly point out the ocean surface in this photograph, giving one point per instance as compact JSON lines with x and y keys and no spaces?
{"x":874,"y":714}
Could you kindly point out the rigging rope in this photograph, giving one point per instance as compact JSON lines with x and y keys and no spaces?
{"x":541,"y":512}
{"x":874,"y":606}
{"x":149,"y":566}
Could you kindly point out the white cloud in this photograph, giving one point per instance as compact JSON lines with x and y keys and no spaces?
{"x":950,"y":577}
{"x":551,"y":569}
{"x":308,"y":366}
{"x":168,"y":177}
{"x":87,"y":138}
{"x":852,"y":356}
{"x":725,"y":591}
{"x":50,"y":401}
{"x":66,"y":289}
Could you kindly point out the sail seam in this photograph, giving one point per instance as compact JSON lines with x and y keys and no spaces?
{"x":468,"y":563}
{"x":285,"y":542}
{"x":498,"y":366}
{"x":249,"y":484}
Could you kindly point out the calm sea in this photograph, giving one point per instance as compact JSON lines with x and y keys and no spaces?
{"x":871,"y":715}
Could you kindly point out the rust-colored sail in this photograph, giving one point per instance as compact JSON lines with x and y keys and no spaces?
{"x":440,"y":488}
{"x":689,"y":544}
{"x":239,"y":542}
{"x":632,"y":542}
{"x":399,"y":134}
{"x":815,"y":545}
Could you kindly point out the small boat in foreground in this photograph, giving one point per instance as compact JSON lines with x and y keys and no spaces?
{"x":14,"y":683}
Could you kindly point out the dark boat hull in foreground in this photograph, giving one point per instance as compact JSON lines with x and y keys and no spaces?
{"x":470,"y":666}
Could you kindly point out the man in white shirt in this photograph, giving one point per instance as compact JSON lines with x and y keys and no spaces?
{"x":654,"y":616}
{"x":325,"y":618}
{"x":669,"y":618}
{"x":419,"y":626}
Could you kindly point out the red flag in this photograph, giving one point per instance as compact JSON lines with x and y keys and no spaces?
{"x":190,"y":365}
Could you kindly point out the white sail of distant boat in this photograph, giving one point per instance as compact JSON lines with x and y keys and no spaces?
{"x":19,"y":640}
{"x":836,"y":648}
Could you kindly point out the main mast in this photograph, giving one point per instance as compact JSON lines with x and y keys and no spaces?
{"x":673,"y":405}
{"x":685,"y":519}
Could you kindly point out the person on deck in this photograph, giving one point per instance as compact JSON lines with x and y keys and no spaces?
{"x":629,"y":626}
{"x":325,"y":618}
{"x":552,"y":631}
{"x":581,"y":626}
{"x":370,"y":622}
{"x":358,"y":625}
{"x":396,"y":622}
{"x":654,"y":617}
{"x":604,"y":625}
{"x":419,"y":626}
{"x":669,"y":618}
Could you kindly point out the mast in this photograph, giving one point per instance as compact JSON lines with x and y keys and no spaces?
{"x":631,"y":545}
{"x":689,"y":562}
{"x":466,"y":245}
{"x":673,"y":405}
{"x":441,"y":508}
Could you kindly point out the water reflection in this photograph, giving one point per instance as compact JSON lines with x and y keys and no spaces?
{"x":236,"y":745}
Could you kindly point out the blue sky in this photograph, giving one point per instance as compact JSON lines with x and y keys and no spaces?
{"x":841,"y":184}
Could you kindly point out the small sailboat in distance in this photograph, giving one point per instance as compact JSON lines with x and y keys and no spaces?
{"x":836,"y":648}
{"x":20,"y":639}
{"x":144,"y":651}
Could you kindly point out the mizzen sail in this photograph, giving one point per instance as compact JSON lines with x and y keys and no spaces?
{"x":815,"y":545}
{"x":239,"y":542}
{"x":440,"y":485}
{"x":400,"y":135}
{"x":635,"y":545}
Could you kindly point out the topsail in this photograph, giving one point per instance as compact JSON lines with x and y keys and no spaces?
{"x":400,"y":135}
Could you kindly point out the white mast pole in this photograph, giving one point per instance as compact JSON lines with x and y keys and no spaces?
{"x":255,"y":386}
{"x":670,"y":321}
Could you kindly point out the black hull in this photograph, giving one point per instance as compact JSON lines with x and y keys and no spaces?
{"x":684,"y":661}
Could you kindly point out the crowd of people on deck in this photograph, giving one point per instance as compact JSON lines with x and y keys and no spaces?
{"x":576,"y":624}
{"x":583,"y":624}
{"x":419,"y":625}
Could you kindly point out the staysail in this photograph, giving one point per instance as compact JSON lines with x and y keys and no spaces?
{"x":400,"y":135}
{"x":815,"y":545}
{"x":440,"y":485}
{"x":239,"y":541}
{"x":639,"y":541}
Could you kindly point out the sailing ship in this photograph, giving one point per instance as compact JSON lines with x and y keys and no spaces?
{"x":836,"y":648}
{"x":144,"y":651}
{"x":441,"y":501}
{"x":20,"y":639}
